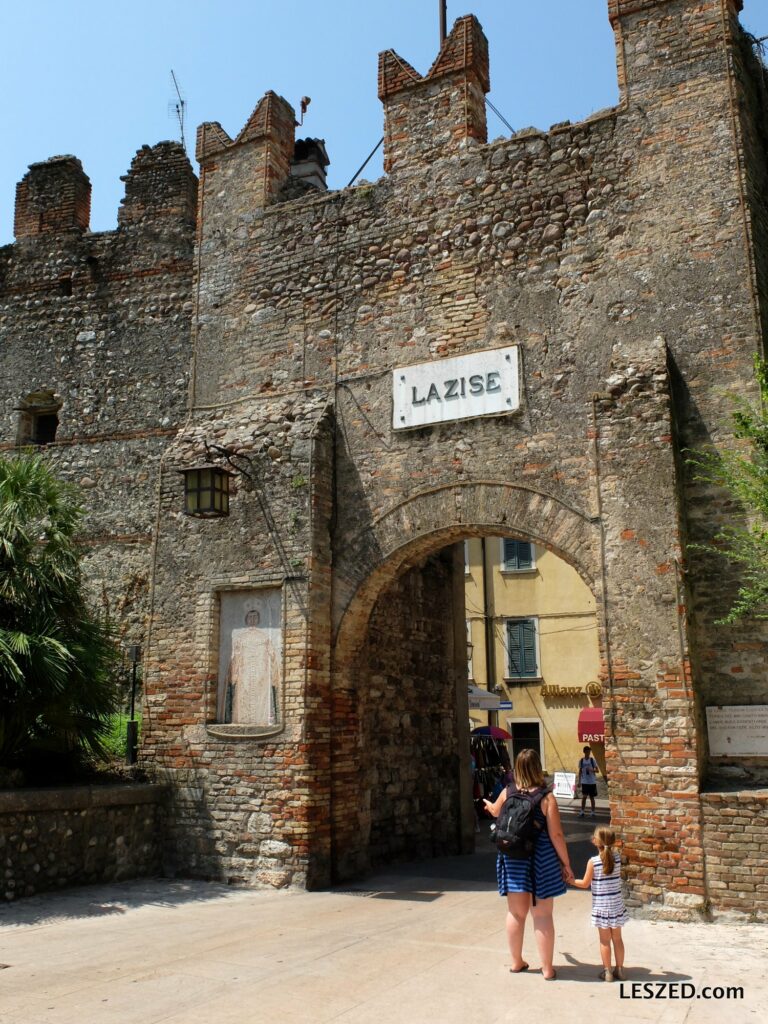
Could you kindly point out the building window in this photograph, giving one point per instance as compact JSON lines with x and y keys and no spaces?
{"x":250,"y":657}
{"x":522,"y":649}
{"x":466,"y":558}
{"x":517,"y":555}
{"x":38,"y":419}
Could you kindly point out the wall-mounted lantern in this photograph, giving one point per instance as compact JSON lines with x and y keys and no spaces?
{"x":206,"y":492}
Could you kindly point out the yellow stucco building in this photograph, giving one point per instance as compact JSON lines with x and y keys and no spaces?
{"x":533,"y":640}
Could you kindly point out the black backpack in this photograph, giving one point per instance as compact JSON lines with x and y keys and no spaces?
{"x":516,"y":829}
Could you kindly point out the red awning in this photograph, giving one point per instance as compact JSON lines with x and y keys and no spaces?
{"x":591,"y":725}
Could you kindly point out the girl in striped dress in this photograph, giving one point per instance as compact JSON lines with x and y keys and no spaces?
{"x":608,"y":911}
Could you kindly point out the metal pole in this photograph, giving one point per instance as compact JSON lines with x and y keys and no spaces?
{"x":443,"y":19}
{"x":488,"y":610}
{"x":132,"y":727}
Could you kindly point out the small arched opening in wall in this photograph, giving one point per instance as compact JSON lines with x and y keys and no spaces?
{"x":38,"y":418}
{"x":519,"y":580}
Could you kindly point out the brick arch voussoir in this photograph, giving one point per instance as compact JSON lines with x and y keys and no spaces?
{"x":421,"y":524}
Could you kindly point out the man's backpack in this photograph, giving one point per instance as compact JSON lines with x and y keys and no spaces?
{"x":516,"y":829}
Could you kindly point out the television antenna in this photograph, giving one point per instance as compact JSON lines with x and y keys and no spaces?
{"x":178,"y":108}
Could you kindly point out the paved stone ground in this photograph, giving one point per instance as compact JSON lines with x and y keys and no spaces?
{"x":419,"y":944}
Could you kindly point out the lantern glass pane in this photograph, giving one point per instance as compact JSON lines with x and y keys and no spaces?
{"x":206,"y":492}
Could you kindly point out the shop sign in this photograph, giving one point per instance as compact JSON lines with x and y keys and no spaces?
{"x":479,"y":384}
{"x":562,"y":691}
{"x":591,"y":689}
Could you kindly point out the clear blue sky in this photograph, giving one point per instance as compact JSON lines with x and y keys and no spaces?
{"x":92,"y":77}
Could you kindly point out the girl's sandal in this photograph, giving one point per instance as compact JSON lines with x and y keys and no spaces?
{"x":520,"y":969}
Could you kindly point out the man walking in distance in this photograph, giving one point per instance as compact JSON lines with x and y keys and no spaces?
{"x":587,"y":776}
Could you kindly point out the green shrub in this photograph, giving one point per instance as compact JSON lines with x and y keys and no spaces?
{"x":58,"y":660}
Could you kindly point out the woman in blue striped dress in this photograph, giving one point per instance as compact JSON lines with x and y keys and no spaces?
{"x":609,"y":914}
{"x":532,"y":886}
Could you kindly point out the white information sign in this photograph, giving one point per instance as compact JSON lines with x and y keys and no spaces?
{"x":565,"y":783}
{"x":738,"y":730}
{"x":479,"y":384}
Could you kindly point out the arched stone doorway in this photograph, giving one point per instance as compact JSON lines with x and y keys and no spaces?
{"x":400,"y":783}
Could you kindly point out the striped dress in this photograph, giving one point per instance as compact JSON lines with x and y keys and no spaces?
{"x":608,"y":910}
{"x":515,"y":875}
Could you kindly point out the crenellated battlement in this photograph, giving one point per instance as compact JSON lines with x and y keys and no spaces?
{"x":464,"y":50}
{"x":272,"y":117}
{"x":265,"y":144}
{"x":160,"y":184}
{"x":54,"y":196}
{"x":429,"y":116}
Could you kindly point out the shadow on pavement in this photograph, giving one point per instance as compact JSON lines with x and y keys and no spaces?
{"x":88,"y":901}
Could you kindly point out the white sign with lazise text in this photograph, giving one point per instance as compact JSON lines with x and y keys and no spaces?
{"x":479,"y":384}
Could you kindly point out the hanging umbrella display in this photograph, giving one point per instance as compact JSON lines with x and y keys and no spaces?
{"x":493,"y":731}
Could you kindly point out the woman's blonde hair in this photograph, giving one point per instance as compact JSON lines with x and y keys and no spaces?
{"x":605,"y":840}
{"x":528,"y":771}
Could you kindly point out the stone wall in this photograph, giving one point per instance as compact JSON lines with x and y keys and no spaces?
{"x":102,"y":322}
{"x":51,"y":838}
{"x":623,"y":274}
{"x":402,"y":800}
{"x":736,"y":850}
{"x":624,"y":256}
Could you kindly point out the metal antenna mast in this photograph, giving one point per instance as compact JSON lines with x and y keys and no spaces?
{"x":443,"y":19}
{"x":179,"y":108}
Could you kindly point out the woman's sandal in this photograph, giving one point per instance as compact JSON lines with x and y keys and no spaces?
{"x":519,"y":970}
{"x":552,"y":977}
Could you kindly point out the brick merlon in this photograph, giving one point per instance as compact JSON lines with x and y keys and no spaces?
{"x":272,"y":116}
{"x":465,"y":50}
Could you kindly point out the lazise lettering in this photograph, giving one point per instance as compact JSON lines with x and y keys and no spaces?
{"x":458,"y":387}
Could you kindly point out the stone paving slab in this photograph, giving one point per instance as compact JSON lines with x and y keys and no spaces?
{"x":416,"y":945}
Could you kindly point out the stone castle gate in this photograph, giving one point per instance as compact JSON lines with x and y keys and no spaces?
{"x":513,"y":339}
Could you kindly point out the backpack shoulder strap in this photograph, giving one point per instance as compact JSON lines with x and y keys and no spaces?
{"x":543,"y":791}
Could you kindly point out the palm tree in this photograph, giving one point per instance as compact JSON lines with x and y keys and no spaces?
{"x":57,"y":659}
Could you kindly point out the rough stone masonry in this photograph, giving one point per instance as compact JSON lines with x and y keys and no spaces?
{"x":624,"y":257}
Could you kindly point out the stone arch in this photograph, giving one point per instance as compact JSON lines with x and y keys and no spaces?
{"x":407,"y":553}
{"x":424,"y":522}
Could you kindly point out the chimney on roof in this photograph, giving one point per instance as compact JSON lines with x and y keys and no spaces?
{"x":309,"y":162}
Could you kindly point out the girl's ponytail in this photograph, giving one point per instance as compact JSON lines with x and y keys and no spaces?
{"x":606,"y":840}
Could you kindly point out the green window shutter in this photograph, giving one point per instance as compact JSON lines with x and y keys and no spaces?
{"x":518,"y":554}
{"x":524,"y":554}
{"x":521,"y":644}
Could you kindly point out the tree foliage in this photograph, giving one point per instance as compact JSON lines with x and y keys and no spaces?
{"x":744,"y":474}
{"x":57,"y":658}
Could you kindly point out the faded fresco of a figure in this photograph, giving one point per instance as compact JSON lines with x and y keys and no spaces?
{"x":250,"y":658}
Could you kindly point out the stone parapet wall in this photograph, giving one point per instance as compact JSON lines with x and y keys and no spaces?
{"x":50,"y":838}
